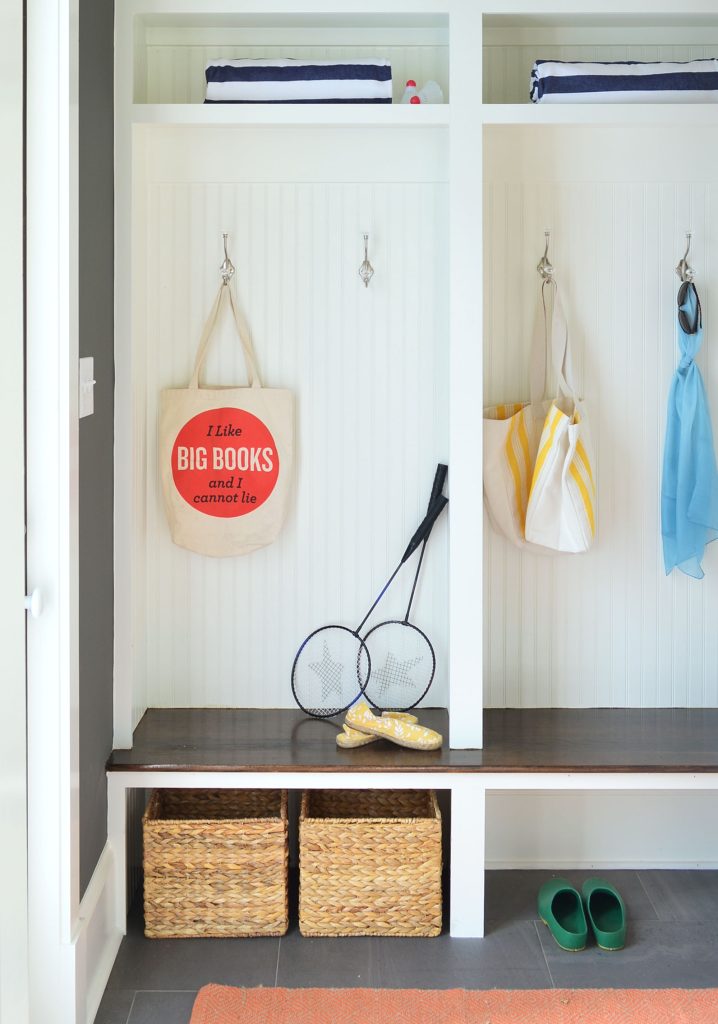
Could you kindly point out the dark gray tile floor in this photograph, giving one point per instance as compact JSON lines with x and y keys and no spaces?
{"x":672,"y":942}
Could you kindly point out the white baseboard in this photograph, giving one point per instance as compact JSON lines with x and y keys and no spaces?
{"x":608,"y":865}
{"x":98,"y":938}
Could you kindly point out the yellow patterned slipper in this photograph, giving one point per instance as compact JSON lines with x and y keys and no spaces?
{"x":405,"y":734}
{"x":350,"y":738}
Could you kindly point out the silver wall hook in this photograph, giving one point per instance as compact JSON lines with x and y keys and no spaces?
{"x":227,"y":268}
{"x":684,"y":270}
{"x":366,"y":271}
{"x":544,"y":265}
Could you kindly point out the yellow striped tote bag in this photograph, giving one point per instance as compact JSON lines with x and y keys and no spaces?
{"x":539,"y":479}
{"x":511,"y":438}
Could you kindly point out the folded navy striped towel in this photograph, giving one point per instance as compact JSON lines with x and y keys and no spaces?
{"x":285,"y":80}
{"x":558,"y":81}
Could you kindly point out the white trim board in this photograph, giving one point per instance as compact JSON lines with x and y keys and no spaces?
{"x":225,"y":34}
{"x":616,"y":34}
{"x":98,"y":938}
{"x":311,"y":114}
{"x":13,"y":752}
{"x":671,"y":116}
{"x":52,"y":508}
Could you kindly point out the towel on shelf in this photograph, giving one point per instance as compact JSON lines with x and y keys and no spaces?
{"x":558,"y":81}
{"x":286,"y":80}
{"x":689,"y":488}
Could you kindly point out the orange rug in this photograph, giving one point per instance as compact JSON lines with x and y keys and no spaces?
{"x":217,"y":1004}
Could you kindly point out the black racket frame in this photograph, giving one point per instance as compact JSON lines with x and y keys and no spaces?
{"x":437,"y":503}
{"x":436,"y":493}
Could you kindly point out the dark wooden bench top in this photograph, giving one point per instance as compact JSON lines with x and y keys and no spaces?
{"x":536,"y":740}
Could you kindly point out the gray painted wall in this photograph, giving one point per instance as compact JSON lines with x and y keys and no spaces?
{"x":96,"y":432}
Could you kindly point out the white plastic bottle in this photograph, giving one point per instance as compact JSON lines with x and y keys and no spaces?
{"x":431,"y":92}
{"x":410,"y":91}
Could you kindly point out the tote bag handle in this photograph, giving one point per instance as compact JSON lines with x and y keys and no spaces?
{"x":550,"y":351}
{"x":242,"y":330}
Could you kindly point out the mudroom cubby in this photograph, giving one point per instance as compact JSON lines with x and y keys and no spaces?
{"x":607,"y":628}
{"x":170,"y":50}
{"x":295,"y":187}
{"x":596,"y":672}
{"x":512,"y":41}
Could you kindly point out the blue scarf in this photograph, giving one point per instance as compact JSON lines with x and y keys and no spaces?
{"x":689,"y":491}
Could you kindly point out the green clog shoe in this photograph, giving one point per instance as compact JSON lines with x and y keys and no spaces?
{"x":561,"y":909}
{"x":607,"y":913}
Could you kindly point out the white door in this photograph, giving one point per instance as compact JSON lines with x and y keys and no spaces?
{"x":52,"y":510}
{"x":13,"y":789}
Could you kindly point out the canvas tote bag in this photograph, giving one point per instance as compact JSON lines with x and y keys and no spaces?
{"x":226,"y":454}
{"x":539,"y":480}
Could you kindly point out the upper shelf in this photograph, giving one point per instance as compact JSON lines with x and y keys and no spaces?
{"x":698,"y":114}
{"x":329,"y":114}
{"x":430,"y":116}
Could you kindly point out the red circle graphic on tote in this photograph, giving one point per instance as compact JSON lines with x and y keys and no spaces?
{"x":225,"y":462}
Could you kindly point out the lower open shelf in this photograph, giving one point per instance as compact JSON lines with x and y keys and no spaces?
{"x":516,"y":740}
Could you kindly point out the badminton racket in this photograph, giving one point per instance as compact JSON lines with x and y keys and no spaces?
{"x":333,"y":665}
{"x":402,"y":656}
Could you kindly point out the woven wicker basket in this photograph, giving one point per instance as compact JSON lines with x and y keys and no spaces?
{"x":369,"y":863}
{"x":215,"y":863}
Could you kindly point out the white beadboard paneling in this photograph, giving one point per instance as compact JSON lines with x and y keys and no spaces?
{"x":293,"y":154}
{"x":624,"y":829}
{"x":369,"y":371}
{"x":606,"y":628}
{"x":173,"y":60}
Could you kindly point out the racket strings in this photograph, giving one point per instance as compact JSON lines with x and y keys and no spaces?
{"x":329,"y":673}
{"x":330,"y":670}
{"x":403,"y":665}
{"x":395,"y":675}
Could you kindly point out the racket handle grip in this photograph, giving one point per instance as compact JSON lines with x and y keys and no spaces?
{"x":426,"y":525}
{"x":438,"y":485}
